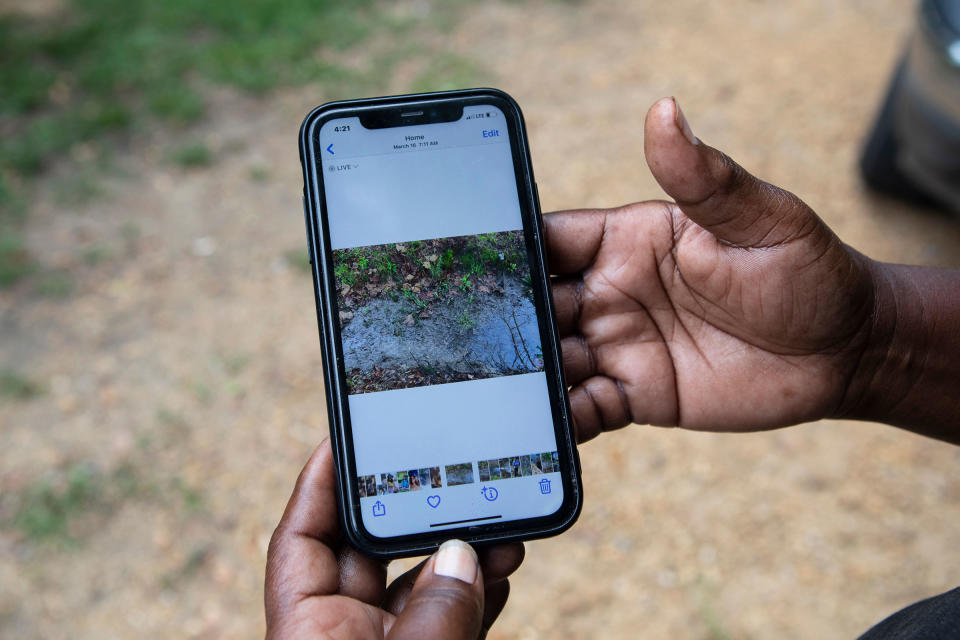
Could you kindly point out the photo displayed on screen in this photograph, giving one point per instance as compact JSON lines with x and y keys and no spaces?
{"x":430,"y":312}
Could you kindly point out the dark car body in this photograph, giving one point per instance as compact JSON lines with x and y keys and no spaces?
{"x":913,"y":150}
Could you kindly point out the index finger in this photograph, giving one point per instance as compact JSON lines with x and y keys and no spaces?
{"x":573,"y":239}
{"x":312,"y":509}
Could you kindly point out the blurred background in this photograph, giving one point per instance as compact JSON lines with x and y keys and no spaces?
{"x":160,"y":372}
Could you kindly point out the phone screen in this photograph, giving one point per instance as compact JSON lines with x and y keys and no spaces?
{"x":449,"y":409}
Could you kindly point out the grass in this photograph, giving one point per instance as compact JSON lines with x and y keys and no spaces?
{"x":475,"y":257}
{"x":16,"y":386}
{"x":77,"y":79}
{"x":98,"y":65}
{"x":444,"y":72}
{"x":194,"y":562}
{"x":235,"y":362}
{"x":63,"y":507}
{"x":299,"y":259}
{"x":191,"y":498}
{"x":192,"y":155}
{"x":259,"y":174}
{"x":53,"y":284}
{"x":79,"y":187}
{"x":15,"y":261}
{"x":94,"y":255}
{"x":47,"y":509}
{"x":708,"y":614}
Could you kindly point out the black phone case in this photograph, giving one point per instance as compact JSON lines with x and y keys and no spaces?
{"x":325,"y":298}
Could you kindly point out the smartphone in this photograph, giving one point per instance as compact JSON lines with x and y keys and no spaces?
{"x":447,"y":405}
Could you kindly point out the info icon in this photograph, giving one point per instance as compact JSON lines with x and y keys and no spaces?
{"x":490,"y":493}
{"x":544,"y":486}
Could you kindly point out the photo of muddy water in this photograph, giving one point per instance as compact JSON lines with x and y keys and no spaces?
{"x":436,"y":311}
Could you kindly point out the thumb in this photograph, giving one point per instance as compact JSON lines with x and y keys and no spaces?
{"x":446,"y":600}
{"x":716,"y":192}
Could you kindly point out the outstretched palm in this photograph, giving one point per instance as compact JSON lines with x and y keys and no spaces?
{"x":736,"y":309}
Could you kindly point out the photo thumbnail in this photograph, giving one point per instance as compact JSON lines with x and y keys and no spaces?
{"x":458,"y":474}
{"x":429,"y":312}
{"x":533,"y":464}
{"x":430,"y":477}
{"x":549,"y":464}
{"x":536,"y":467}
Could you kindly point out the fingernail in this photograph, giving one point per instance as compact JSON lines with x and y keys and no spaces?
{"x":683,"y":125}
{"x":456,"y":559}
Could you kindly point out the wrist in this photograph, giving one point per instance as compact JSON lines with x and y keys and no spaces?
{"x":907,"y":369}
{"x":873,"y":367}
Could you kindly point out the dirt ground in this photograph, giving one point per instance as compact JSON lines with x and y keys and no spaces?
{"x":184,"y":371}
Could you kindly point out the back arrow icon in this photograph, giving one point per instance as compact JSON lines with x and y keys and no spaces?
{"x":330,"y":149}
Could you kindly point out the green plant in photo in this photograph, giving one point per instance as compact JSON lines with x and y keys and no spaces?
{"x":477,"y":268}
{"x":465,"y":283}
{"x":362,"y":263}
{"x":446,"y":260}
{"x":344,"y":274}
{"x":473,"y":262}
{"x":386,"y":267}
{"x":490,"y":256}
{"x":466,"y":321}
{"x":420,"y":305}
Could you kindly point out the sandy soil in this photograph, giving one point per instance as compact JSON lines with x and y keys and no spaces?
{"x":190,"y":356}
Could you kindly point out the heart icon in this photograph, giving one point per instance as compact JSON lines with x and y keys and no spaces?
{"x":433,"y":501}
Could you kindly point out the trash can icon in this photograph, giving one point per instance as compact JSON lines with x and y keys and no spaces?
{"x":544,"y":486}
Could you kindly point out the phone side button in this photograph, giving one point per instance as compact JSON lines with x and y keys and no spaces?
{"x":306,"y":222}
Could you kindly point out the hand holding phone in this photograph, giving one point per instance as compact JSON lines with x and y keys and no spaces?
{"x":331,"y":586}
{"x":446,"y":399}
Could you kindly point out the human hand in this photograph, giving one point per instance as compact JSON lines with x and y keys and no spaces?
{"x":734,"y":309}
{"x":318,"y":586}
